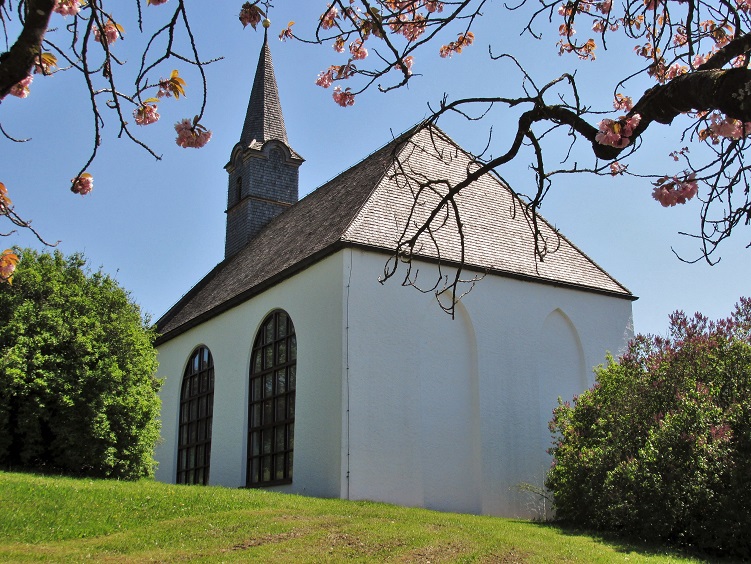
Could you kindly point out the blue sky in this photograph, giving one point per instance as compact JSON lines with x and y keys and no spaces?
{"x":159,"y":226}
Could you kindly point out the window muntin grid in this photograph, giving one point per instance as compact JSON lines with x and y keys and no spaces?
{"x":271,"y":409}
{"x":196,"y":413}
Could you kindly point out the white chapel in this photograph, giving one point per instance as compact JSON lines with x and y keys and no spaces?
{"x":291,"y":367}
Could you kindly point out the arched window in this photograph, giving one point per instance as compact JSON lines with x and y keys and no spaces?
{"x":271,"y":413}
{"x":196,"y":410}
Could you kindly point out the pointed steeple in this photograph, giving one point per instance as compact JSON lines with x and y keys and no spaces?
{"x":263,"y":169}
{"x":264,"y":120}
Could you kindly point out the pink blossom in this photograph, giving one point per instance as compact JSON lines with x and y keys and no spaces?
{"x":630,"y":124}
{"x":343,"y":97}
{"x":408,"y":62}
{"x":21,"y":88}
{"x":67,"y":7}
{"x":680,"y":37}
{"x":358,"y":51}
{"x":676,"y":155}
{"x":396,"y":23}
{"x":8,"y":261}
{"x":414,"y":29}
{"x":328,"y":19}
{"x":599,"y":26}
{"x":699,"y":60}
{"x":164,"y":89}
{"x":675,"y":70}
{"x":83,"y":184}
{"x":286,"y":33}
{"x":617,"y":133}
{"x":457,"y":46}
{"x":191,"y":134}
{"x":622,"y":102}
{"x":156,"y":2}
{"x":743,"y":5}
{"x":729,"y":128}
{"x":111,"y":33}
{"x":566,"y":30}
{"x":434,"y":6}
{"x":339,"y":44}
{"x":146,"y":114}
{"x":604,"y":7}
{"x":617,"y":168}
{"x":672,"y":191}
{"x":7,"y":269}
{"x":325,"y":78}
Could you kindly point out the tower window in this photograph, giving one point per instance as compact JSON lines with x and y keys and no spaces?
{"x":238,"y":189}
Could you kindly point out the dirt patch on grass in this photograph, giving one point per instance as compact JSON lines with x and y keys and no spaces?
{"x":268,"y":539}
{"x":434,"y":553}
{"x":512,"y":556}
{"x":450,"y":552}
{"x":353,"y":546}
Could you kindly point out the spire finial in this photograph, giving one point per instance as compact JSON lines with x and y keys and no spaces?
{"x":266,"y":23}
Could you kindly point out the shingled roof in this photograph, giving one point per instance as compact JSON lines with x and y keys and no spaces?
{"x":370,"y":205}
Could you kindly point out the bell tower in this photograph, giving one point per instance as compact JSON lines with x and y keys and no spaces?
{"x":263,"y":169}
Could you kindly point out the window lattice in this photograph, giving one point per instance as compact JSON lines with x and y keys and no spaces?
{"x":196,"y":410}
{"x":271,"y":413}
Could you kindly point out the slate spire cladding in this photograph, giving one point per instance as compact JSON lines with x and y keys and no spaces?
{"x":264,"y":119}
{"x":263,"y":169}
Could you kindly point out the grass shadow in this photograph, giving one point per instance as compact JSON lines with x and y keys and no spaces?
{"x":624,"y":543}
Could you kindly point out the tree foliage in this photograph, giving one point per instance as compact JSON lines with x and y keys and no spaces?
{"x":661,"y":446}
{"x":77,"y":365}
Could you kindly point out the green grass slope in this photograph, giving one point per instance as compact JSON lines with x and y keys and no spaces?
{"x":69,"y":520}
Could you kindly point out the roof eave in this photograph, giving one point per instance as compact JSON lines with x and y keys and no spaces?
{"x":333,"y":248}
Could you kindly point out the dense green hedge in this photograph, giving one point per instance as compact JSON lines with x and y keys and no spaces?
{"x":660,"y":447}
{"x":77,"y":365}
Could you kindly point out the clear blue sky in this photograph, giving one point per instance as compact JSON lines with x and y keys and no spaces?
{"x":159,"y":226}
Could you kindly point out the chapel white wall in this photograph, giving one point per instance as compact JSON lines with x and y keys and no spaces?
{"x":313,"y":300}
{"x":452,"y":415}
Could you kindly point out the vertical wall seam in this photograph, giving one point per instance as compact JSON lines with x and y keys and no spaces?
{"x":346,"y":360}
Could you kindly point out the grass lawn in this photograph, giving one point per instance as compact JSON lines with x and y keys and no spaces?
{"x":65,"y":519}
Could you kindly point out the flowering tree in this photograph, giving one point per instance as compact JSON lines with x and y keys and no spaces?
{"x":660,"y":446}
{"x":695,"y":52}
{"x":88,"y":48}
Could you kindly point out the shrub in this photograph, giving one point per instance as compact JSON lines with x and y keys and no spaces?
{"x":77,"y":364}
{"x":660,"y":447}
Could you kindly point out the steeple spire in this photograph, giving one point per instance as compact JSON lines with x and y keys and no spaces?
{"x":263,"y":169}
{"x":264,"y":120}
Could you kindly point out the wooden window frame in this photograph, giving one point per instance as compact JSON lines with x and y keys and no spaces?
{"x":271,"y":403}
{"x":195,"y":419}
